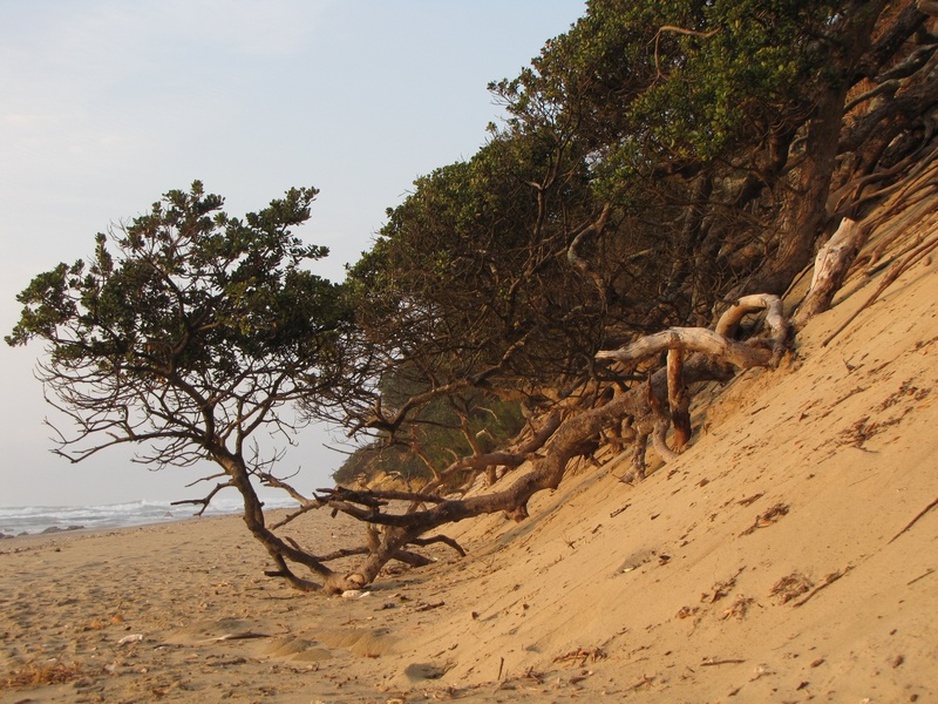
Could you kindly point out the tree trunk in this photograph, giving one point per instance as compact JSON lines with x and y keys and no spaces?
{"x":278,"y":549}
{"x":804,"y":204}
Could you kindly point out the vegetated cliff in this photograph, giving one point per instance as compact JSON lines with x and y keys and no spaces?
{"x":787,"y":554}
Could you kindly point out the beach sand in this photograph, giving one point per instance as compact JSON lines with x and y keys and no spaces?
{"x":790,"y":554}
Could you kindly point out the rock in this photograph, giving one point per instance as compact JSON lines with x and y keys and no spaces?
{"x":57,"y":529}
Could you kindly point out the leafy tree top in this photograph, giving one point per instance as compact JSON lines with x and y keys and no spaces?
{"x":647,"y":84}
{"x":189,"y":329}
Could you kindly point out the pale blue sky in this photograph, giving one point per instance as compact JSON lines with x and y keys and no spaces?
{"x":106,"y":104}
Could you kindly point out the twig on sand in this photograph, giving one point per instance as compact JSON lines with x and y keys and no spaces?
{"x":241,"y":635}
{"x":828,"y":580}
{"x":921,"y":576}
{"x":727,"y":661}
{"x":915,"y":520}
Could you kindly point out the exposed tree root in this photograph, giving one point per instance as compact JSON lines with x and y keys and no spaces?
{"x":648,"y":409}
{"x":396,"y":520}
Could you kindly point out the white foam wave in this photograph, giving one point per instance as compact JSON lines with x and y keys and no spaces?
{"x":18,"y":520}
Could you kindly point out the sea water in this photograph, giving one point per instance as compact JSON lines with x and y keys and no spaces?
{"x":19,"y":520}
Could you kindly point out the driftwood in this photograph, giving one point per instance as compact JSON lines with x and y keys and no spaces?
{"x":695,"y":355}
{"x":830,"y":269}
{"x":678,"y":399}
{"x":719,"y":342}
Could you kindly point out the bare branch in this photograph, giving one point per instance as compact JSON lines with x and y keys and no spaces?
{"x":830,"y":269}
{"x":676,"y":30}
{"x":205,"y":501}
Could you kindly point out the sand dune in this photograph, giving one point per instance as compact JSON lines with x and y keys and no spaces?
{"x":790,"y":554}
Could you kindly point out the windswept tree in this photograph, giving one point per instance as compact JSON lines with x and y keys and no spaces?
{"x":193,"y":335}
{"x":656,"y":157}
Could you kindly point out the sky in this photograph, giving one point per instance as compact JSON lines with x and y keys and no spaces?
{"x":108,"y":104}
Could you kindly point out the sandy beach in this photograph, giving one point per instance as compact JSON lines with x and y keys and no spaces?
{"x":789,"y":555}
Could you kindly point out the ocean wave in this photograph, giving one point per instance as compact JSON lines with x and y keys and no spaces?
{"x":29,"y":520}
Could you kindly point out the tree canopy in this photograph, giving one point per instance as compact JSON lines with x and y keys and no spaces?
{"x":198,"y":332}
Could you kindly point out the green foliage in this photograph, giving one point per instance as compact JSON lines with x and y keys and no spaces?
{"x":638,"y":180}
{"x":650,"y":83}
{"x":468,"y":265}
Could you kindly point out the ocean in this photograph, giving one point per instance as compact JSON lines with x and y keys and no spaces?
{"x":31,"y":520}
